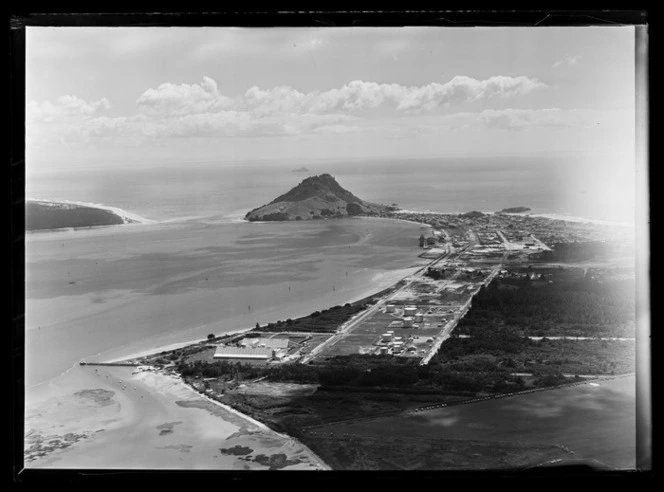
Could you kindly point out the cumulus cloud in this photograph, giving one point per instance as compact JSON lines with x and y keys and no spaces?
{"x":570,"y":60}
{"x":201,"y":110}
{"x":467,"y":89}
{"x":184,"y":98}
{"x":355,"y":96}
{"x":359,"y":95}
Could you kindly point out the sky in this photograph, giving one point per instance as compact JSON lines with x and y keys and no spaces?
{"x":150,"y":96}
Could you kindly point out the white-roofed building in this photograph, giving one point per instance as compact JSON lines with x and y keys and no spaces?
{"x":245,"y":355}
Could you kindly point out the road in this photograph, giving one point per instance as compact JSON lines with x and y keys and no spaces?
{"x":347,"y":327}
{"x":540,"y":243}
{"x":447,"y":329}
{"x":508,"y":246}
{"x":352,"y":323}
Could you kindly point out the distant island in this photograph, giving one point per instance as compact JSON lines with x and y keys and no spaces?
{"x":300,"y":170}
{"x":43,"y":215}
{"x":473,"y":214}
{"x":515,"y":210}
{"x":317,"y":197}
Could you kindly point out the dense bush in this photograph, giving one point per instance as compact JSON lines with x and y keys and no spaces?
{"x":583,"y":307}
{"x":326,"y":321}
{"x":576,"y":251}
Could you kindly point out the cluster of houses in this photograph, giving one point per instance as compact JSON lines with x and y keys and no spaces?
{"x":441,"y":272}
{"x":523,"y":275}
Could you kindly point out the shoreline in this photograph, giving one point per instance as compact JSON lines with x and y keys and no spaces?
{"x":127,"y":217}
{"x":319,"y":461}
{"x":393,"y":277}
{"x":544,"y":215}
{"x":168,"y":348}
{"x":104,"y":405}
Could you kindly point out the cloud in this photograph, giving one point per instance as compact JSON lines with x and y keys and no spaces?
{"x":355,"y":96}
{"x":245,"y":124}
{"x":467,"y":89}
{"x":201,"y":110}
{"x":66,"y":107}
{"x":570,"y":60}
{"x":182,"y":99}
{"x":524,"y":119}
{"x":358,"y":95}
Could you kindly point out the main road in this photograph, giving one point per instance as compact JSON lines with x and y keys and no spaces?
{"x":347,"y":327}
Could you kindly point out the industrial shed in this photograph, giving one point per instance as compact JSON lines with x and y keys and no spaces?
{"x":250,"y":355}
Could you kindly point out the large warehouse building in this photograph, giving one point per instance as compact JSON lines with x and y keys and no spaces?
{"x":249,"y":355}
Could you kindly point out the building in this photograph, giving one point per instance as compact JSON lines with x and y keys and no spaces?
{"x":277,"y":343}
{"x":245,"y":355}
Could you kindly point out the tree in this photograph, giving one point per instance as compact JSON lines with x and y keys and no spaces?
{"x":258,"y":326}
{"x":211,"y":336}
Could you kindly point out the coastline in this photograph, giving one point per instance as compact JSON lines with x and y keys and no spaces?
{"x":380,"y":282}
{"x":572,"y":218}
{"x":171,"y":424}
{"x":167,"y":348}
{"x":550,"y":216}
{"x":127,"y":217}
{"x":317,"y":459}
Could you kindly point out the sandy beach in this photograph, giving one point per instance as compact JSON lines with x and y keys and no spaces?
{"x":129,"y":419}
{"x":379,"y":282}
{"x":127,"y":217}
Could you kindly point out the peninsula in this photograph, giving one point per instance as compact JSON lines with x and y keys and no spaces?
{"x":49,"y":215}
{"x":316,"y":197}
{"x":43,"y":215}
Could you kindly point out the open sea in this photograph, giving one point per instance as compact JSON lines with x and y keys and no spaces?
{"x":104,"y":293}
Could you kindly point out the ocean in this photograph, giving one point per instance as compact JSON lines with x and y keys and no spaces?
{"x":594,"y":187}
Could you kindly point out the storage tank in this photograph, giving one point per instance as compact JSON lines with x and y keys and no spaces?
{"x":409,"y":311}
{"x":408,"y":322}
{"x":390,"y":308}
{"x":419,"y":318}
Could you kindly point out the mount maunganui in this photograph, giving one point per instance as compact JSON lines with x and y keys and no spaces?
{"x":317,"y":197}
